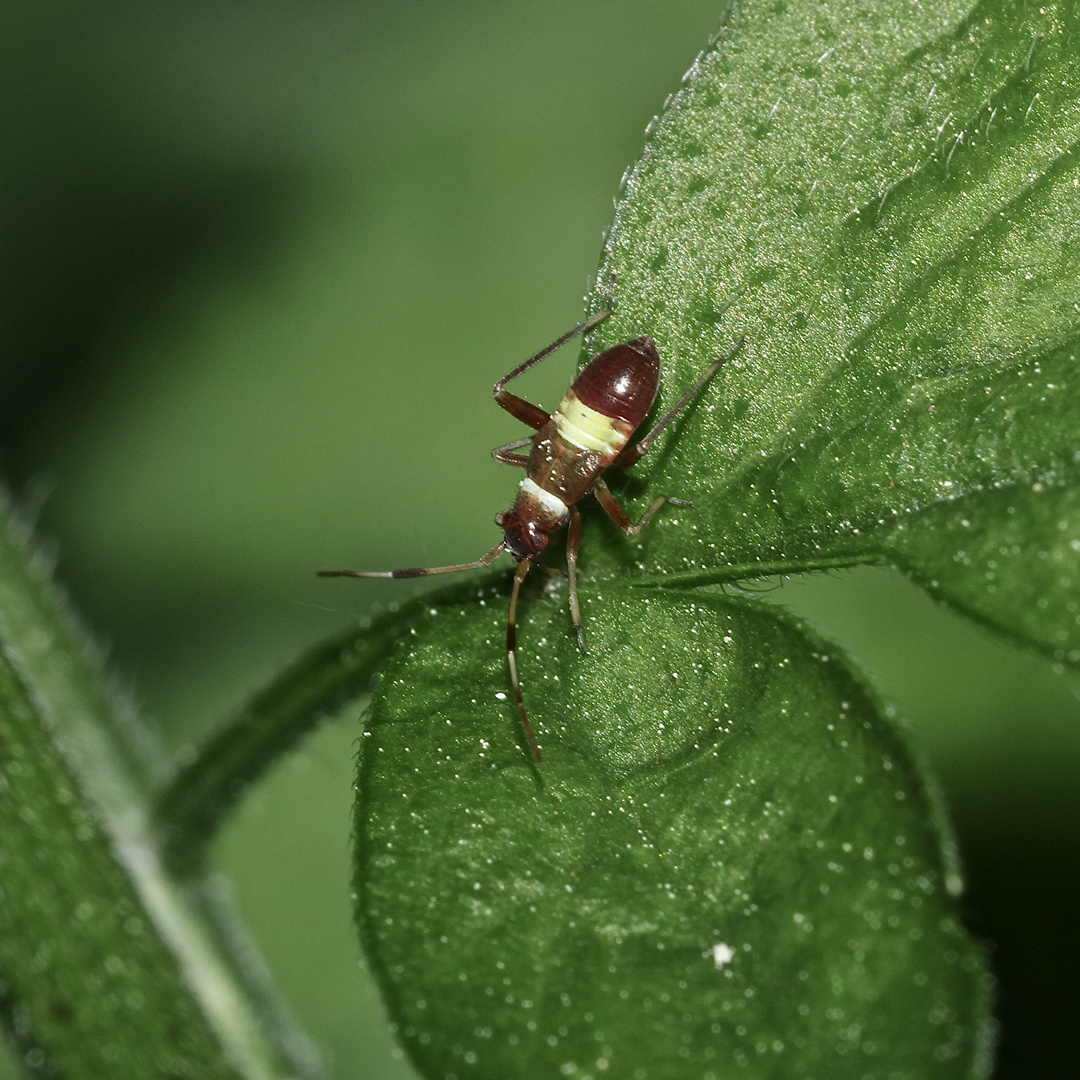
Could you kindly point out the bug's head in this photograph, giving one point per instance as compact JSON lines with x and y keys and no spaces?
{"x":524,"y":537}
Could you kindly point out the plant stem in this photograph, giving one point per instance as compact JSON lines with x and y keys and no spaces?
{"x":189,"y":810}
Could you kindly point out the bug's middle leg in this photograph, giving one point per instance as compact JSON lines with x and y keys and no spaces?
{"x":621,"y":517}
{"x":505,"y":455}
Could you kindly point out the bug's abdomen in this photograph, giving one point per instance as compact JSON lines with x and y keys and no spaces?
{"x":621,"y":382}
{"x":608,"y":400}
{"x":589,"y":431}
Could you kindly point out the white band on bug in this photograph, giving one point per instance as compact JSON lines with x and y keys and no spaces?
{"x":551,"y":503}
{"x":586,"y":428}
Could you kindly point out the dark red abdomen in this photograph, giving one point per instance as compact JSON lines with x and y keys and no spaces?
{"x":622,"y":381}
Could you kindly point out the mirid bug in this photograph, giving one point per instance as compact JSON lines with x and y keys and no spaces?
{"x":589,"y":432}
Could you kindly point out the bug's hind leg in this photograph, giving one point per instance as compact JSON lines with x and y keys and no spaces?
{"x":636,"y":451}
{"x":526,"y":411}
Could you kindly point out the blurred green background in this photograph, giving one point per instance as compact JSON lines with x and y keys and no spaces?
{"x":261,"y":264}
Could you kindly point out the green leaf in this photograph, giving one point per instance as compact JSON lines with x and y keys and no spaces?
{"x":884,"y":200}
{"x":1008,"y":558}
{"x":71,"y":922}
{"x":107,"y":968}
{"x":727,"y":861}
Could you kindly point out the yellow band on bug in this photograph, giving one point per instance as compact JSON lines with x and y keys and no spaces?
{"x":586,"y":428}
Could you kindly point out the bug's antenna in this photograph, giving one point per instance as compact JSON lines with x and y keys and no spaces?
{"x":420,"y":571}
{"x":511,"y":645}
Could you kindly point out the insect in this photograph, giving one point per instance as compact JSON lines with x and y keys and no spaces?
{"x":589,"y":432}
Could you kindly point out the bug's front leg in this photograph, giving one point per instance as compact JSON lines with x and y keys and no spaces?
{"x":621,"y":517}
{"x":573,"y":542}
{"x":511,"y":654}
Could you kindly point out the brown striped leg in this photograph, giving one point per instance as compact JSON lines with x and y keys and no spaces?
{"x":635,"y":452}
{"x":511,"y":653}
{"x":505,"y":455}
{"x":573,"y":542}
{"x":524,"y":410}
{"x":621,"y":517}
{"x":420,"y":571}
